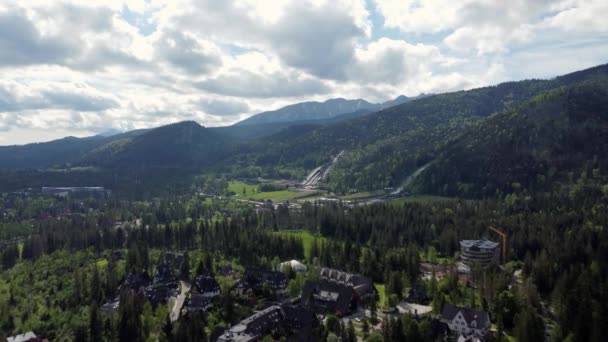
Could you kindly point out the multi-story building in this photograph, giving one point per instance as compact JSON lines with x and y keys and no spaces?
{"x":479,"y":252}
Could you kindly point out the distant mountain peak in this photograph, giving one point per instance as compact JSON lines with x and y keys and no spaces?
{"x":311,"y":111}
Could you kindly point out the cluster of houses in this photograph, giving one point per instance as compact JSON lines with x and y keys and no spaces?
{"x":64,"y":191}
{"x":335,"y":292}
{"x":158,"y":289}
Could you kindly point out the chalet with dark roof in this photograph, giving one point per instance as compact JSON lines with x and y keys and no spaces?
{"x":418,"y":295}
{"x":466,"y":321}
{"x":171,"y":262}
{"x":198,"y":302}
{"x":136,"y":281}
{"x":206,"y":286}
{"x":159,"y":293}
{"x":297,"y":321}
{"x":300,"y":321}
{"x":329,"y":297}
{"x":255,"y":326}
{"x":363,"y":286}
{"x":255,"y":278}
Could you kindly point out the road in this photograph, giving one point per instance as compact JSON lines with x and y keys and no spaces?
{"x":179,"y":302}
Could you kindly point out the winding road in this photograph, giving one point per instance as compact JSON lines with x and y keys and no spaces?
{"x":179,"y":302}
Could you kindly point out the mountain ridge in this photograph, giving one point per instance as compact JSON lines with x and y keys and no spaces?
{"x":381,"y":148}
{"x":328,"y":109}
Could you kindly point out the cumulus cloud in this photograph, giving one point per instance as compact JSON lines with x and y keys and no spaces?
{"x":223,"y":107}
{"x":22,"y":43}
{"x":184,"y":51}
{"x":88,"y":66}
{"x":580,"y":15}
{"x":19,"y":97}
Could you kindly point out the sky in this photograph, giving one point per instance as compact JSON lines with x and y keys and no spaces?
{"x":86,"y":67}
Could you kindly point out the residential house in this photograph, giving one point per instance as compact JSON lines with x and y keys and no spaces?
{"x":198,"y":302}
{"x":254,"y":327}
{"x":135,"y":281}
{"x":363,"y":286}
{"x":255,"y":278}
{"x":172,"y":262}
{"x":418,"y":295}
{"x":159,"y":293}
{"x":296,"y":321}
{"x":329,"y":297}
{"x":206,"y":286}
{"x":466,"y":321}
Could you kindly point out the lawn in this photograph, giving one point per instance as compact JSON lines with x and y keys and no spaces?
{"x":252,"y":193}
{"x":102,"y":263}
{"x":283,"y":195}
{"x":381,"y":295}
{"x":237,"y":188}
{"x":306,"y":236}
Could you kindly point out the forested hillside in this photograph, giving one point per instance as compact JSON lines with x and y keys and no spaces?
{"x":184,"y":144}
{"x":383,"y":148}
{"x":558,"y":136}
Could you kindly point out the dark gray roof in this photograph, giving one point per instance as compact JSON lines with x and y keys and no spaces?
{"x":450,"y":311}
{"x":257,"y":277}
{"x":362,"y":284}
{"x":198,"y":302}
{"x":483,"y":243}
{"x":327,"y":297}
{"x":206,"y":284}
{"x":135,"y":281}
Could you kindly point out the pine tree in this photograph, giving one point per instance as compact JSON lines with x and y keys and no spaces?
{"x":351,"y":335}
{"x":185,"y":270}
{"x":95,"y":324}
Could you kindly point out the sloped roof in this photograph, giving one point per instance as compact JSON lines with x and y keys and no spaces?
{"x":360,"y":283}
{"x":258,"y":277}
{"x":325,"y":296}
{"x":450,"y":311}
{"x":198,"y":302}
{"x":205,"y":284}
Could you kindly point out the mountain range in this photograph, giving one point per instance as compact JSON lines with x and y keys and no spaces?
{"x":532,"y":134}
{"x":312,"y":110}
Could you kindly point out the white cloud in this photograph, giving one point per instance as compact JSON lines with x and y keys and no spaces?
{"x":581,"y":16}
{"x":74,"y":66}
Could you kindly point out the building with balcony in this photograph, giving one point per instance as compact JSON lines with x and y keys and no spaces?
{"x":479,"y":252}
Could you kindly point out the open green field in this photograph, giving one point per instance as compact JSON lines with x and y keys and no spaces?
{"x":306,"y":236}
{"x":251,"y":192}
{"x":282,"y":195}
{"x":237,"y":188}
